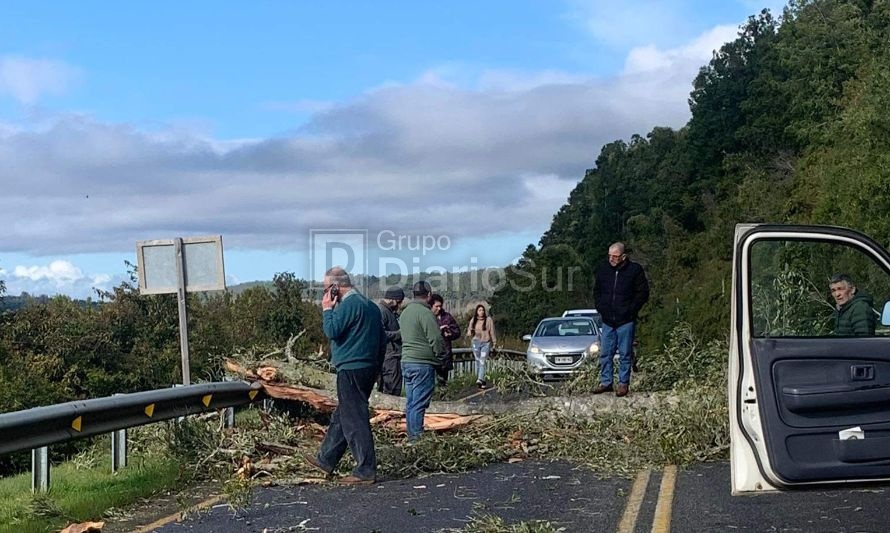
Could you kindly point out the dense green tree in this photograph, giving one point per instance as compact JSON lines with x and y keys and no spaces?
{"x":789,"y":123}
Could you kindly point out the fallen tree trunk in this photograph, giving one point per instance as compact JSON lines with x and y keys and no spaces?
{"x":586,"y":406}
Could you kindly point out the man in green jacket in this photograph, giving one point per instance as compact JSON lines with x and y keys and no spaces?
{"x":422,"y":354}
{"x":358,"y":342}
{"x":853,"y":311}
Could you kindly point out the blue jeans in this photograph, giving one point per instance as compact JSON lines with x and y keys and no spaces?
{"x":620,"y":338}
{"x":350,"y":424}
{"x":481,"y":351}
{"x":420,"y":378}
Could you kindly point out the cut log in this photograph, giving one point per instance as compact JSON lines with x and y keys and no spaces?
{"x":321,"y":402}
{"x":84,"y":527}
{"x":268,"y":373}
{"x":236,"y":368}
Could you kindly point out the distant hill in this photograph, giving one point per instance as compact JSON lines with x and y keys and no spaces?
{"x":14,"y":303}
{"x":461,"y":291}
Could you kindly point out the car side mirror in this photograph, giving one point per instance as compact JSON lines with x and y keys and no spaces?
{"x":527,"y":338}
{"x":885,"y":316}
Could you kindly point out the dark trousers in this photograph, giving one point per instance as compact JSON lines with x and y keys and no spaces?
{"x":443,"y":370}
{"x":350,"y":426}
{"x":391,"y":376}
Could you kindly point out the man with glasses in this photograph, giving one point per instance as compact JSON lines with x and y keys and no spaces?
{"x":620,"y":290}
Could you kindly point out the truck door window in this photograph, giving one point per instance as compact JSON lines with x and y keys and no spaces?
{"x":791,"y":289}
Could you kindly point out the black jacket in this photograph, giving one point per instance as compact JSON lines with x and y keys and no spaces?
{"x":620,"y":292}
{"x":393,"y":335}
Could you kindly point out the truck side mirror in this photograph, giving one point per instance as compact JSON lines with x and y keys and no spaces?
{"x":885,"y":316}
{"x":527,"y":338}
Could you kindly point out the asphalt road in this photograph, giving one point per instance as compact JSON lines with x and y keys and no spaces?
{"x":696,"y":499}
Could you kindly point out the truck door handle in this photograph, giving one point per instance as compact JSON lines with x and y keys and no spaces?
{"x":862,"y":372}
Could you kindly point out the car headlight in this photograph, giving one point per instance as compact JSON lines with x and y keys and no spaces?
{"x":593,"y":348}
{"x":533,"y":348}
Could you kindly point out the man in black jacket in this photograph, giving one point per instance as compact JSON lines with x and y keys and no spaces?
{"x":620,"y":289}
{"x":390,"y":381}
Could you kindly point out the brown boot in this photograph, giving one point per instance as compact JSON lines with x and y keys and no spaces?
{"x":623,"y":389}
{"x":316,"y":464}
{"x":599,"y":389}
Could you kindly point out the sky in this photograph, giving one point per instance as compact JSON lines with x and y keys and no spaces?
{"x":446,"y":135}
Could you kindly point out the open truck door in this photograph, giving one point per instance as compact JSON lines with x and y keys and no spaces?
{"x":807,"y":405}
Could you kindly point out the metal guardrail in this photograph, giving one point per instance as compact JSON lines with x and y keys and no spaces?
{"x":506,"y":354}
{"x":465,"y":363}
{"x":41,"y":426}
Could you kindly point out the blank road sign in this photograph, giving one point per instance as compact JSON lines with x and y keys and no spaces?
{"x":202,"y":259}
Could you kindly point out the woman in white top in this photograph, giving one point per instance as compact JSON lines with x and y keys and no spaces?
{"x":481,"y":330}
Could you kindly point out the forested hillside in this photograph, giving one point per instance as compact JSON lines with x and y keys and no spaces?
{"x":790,"y":123}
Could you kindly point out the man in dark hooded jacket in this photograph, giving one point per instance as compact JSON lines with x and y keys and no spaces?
{"x":390,"y":381}
{"x":853,"y":311}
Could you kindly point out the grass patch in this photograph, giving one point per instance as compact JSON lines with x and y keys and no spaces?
{"x":82,"y":489}
{"x":482,"y":523}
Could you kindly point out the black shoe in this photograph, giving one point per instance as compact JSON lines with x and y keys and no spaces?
{"x":481,"y":384}
{"x":599,"y":389}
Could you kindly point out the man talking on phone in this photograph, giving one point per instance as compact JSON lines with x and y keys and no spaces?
{"x":358,"y":342}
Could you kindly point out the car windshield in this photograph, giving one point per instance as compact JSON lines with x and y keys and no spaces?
{"x":565,"y":328}
{"x":591,"y":314}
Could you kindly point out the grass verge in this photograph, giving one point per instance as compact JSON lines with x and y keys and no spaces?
{"x":82,"y":490}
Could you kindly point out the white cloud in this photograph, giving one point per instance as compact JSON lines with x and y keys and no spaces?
{"x":640,"y":23}
{"x":692,"y":55}
{"x":59,"y":276}
{"x":27,"y":80}
{"x":631,"y":22}
{"x":497,"y":155}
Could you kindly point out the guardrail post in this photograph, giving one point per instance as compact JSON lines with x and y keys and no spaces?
{"x":118,"y":449}
{"x":228,"y":416}
{"x":40,"y":469}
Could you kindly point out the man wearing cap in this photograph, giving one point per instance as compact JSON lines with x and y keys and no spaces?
{"x":391,"y":374}
{"x":422,"y":353}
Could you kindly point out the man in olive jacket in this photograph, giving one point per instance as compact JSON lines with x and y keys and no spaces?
{"x":422,"y":354}
{"x":853,"y":312}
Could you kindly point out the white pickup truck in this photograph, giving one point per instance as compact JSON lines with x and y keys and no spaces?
{"x":807,"y":405}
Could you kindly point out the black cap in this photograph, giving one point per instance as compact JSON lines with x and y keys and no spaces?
{"x":394,"y":293}
{"x":421,"y":288}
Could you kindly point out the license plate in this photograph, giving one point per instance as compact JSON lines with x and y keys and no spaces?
{"x":563,"y":360}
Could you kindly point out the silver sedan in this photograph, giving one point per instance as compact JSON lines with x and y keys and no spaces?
{"x":561,"y":346}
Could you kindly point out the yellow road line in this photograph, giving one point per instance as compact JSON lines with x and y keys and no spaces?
{"x":662,"y":521}
{"x":634,"y":502}
{"x":174,"y":517}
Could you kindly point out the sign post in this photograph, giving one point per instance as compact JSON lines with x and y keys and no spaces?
{"x":179,"y":266}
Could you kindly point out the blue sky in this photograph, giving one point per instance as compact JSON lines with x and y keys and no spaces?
{"x":466,"y":120}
